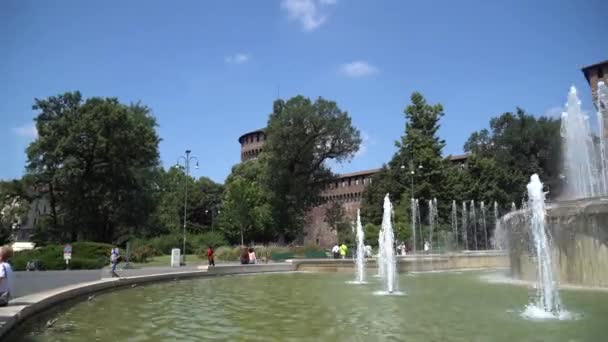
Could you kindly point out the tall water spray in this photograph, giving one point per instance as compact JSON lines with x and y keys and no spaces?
{"x":454,"y":222}
{"x":513,"y":206}
{"x":360,"y":261}
{"x":381,"y":259}
{"x":547,"y":303}
{"x":474,"y":224}
{"x":419,"y":222}
{"x":413,"y":214}
{"x":435,"y":218}
{"x":431,"y":221}
{"x":388,"y":238}
{"x":602,"y":111}
{"x":582,"y":177}
{"x":482,"y":208}
{"x":465,"y":227}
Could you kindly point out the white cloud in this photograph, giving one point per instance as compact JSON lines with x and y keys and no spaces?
{"x":308,"y":12}
{"x":358,"y":69}
{"x":238,"y":58}
{"x":26,"y":131}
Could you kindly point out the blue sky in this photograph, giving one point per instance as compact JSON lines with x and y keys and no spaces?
{"x":211,"y":69}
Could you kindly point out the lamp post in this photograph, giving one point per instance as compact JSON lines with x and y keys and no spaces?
{"x":214,"y":212}
{"x":187,"y":158}
{"x":412,"y":173}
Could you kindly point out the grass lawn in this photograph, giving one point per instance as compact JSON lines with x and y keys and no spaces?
{"x":165,"y":260}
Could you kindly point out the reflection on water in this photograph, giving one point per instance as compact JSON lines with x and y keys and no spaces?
{"x":318,"y":307}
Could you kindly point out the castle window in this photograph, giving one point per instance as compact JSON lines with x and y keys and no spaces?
{"x":356,"y":181}
{"x":600,"y":72}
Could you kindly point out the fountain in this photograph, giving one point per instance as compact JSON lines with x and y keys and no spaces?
{"x":431,"y":221}
{"x":360,"y":258}
{"x":582,"y":178}
{"x":413,"y":214}
{"x":381,"y":259}
{"x":465,"y":237}
{"x":482,"y":208}
{"x":513,"y":207}
{"x":388,"y":251}
{"x":419,"y":222}
{"x":454,"y":222}
{"x":547,"y":303}
{"x":474,"y":223}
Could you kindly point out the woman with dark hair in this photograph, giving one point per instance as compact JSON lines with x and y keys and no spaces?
{"x":252,"y":257}
{"x":244,"y":257}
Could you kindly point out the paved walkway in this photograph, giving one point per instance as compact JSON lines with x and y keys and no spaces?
{"x":32,"y":282}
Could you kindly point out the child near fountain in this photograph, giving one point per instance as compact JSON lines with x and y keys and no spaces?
{"x":7,"y":281}
{"x":210,"y":257}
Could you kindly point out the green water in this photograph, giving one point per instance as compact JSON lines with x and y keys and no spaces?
{"x":319,"y":307}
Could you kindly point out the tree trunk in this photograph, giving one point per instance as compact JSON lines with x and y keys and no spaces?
{"x":53,"y":206}
{"x":242,"y":238}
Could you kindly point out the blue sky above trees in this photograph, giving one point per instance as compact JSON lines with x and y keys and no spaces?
{"x":210,"y":70}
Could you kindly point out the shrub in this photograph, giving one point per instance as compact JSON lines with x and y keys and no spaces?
{"x":141,"y":253}
{"x":205,"y":240}
{"x":87,"y":254}
{"x":227,"y":253}
{"x":163,"y":244}
{"x":87,"y":264}
{"x":309,"y":250}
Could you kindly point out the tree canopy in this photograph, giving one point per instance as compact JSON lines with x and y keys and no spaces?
{"x":92,"y":158}
{"x":302,"y":136}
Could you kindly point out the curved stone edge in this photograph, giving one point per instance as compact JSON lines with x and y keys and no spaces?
{"x":22,"y":308}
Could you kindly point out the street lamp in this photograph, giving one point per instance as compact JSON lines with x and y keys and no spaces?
{"x":214,"y":212}
{"x":187,"y":158}
{"x":412,"y":173}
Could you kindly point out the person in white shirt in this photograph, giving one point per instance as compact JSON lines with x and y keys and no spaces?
{"x":7,"y":281}
{"x":336,"y":251}
{"x":252,"y":258}
{"x":368,"y":251}
{"x":114,"y":260}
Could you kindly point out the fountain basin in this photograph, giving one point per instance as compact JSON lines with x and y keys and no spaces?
{"x":317,"y":307}
{"x":578,"y":232}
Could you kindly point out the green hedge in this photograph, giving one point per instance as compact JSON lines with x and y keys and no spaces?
{"x":85,"y":255}
{"x":194,"y":242}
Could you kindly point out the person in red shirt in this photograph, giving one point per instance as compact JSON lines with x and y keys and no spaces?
{"x":210,"y":256}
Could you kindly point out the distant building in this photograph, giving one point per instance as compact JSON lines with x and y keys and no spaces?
{"x":346,"y":189}
{"x":594,"y":74}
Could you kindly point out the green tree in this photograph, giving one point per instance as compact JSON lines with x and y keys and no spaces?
{"x":336,"y":219}
{"x":93,"y":159}
{"x":244,"y":211}
{"x":419,"y":151}
{"x":521,"y":145}
{"x":302,"y":137}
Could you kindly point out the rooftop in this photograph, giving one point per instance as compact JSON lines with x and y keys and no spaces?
{"x":588,"y":68}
